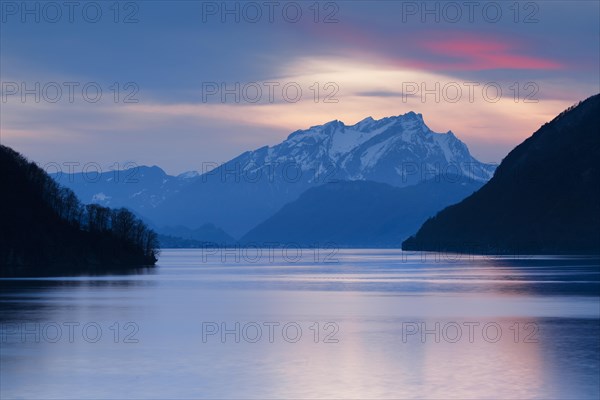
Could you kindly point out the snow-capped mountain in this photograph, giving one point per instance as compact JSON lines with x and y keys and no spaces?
{"x":400,"y":151}
{"x":239,"y":194}
{"x":137,"y":188}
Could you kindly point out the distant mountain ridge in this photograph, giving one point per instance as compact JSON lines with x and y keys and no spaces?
{"x":207,"y":233}
{"x":359,"y":213}
{"x":544,"y":197}
{"x":138,"y":188}
{"x":241,"y":193}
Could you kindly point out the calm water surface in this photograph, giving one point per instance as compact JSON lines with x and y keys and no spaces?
{"x":361,"y":324}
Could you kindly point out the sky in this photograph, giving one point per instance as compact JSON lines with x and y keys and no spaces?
{"x":179,"y":84}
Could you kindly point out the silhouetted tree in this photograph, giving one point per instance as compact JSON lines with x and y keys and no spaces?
{"x":45,"y":230}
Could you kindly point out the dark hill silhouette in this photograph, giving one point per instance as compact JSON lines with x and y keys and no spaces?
{"x":544,"y":197}
{"x":45,"y":231}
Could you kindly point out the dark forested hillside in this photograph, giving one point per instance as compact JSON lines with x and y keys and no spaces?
{"x":44,"y":229}
{"x":543,"y":198}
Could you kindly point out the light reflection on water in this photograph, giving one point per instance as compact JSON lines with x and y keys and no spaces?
{"x":547,"y":310}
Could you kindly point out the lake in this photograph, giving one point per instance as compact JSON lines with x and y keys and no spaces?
{"x":312,"y":324}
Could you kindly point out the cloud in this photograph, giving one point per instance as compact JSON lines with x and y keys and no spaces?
{"x":384,"y":93}
{"x":466,"y":52}
{"x":369,"y":55}
{"x":180,"y":135}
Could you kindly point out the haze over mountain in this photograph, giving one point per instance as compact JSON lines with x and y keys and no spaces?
{"x":241,"y":193}
{"x":138,"y":188}
{"x":237,"y":195}
{"x":182,"y":237}
{"x":543,"y":198}
{"x":360,"y":213}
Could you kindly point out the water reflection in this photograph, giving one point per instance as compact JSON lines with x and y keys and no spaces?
{"x":381,"y":303}
{"x":37,"y":299}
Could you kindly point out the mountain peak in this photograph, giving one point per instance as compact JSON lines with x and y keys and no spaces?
{"x":367,"y":124}
{"x":412,"y":115}
{"x":376,"y":149}
{"x":333,"y":126}
{"x":154,"y":169}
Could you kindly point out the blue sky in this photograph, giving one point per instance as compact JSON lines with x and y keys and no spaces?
{"x":366,"y":58}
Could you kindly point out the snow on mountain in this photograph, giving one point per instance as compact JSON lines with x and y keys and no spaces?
{"x":139,"y":188}
{"x":101,"y":198}
{"x":188,"y":175}
{"x":399,"y":150}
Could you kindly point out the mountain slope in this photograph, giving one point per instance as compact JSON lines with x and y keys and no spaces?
{"x":141,"y":189}
{"x":399,"y":151}
{"x":138,"y":188}
{"x":543,"y":198}
{"x":44,"y":230}
{"x":360,"y":213}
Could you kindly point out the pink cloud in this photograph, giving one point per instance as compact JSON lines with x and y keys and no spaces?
{"x":438,"y":51}
{"x":469,"y":53}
